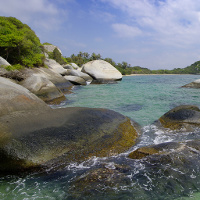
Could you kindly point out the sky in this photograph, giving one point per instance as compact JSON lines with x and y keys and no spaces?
{"x":156,"y":34}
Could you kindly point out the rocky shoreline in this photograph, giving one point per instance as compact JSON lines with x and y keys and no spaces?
{"x":35,"y":137}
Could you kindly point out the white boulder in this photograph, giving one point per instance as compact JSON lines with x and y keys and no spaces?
{"x":54,"y":66}
{"x":101,"y":70}
{"x":43,"y":88}
{"x":3,"y":62}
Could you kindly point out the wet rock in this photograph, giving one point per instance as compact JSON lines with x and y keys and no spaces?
{"x":181,"y":118}
{"x":57,"y":137}
{"x":99,"y":180}
{"x":159,"y":149}
{"x":168,"y":152}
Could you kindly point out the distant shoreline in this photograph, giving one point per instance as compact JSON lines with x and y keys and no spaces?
{"x":155,"y":74}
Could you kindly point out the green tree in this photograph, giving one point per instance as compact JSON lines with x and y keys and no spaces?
{"x":57,"y":56}
{"x":19,"y":44}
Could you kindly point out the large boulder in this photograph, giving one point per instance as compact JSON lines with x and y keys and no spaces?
{"x":59,"y":81}
{"x":43,"y":88}
{"x":85,"y":76}
{"x":194,"y":84}
{"x":101,"y":71}
{"x":58,"y":137}
{"x":50,"y":48}
{"x":54,"y":66}
{"x":181,"y":118}
{"x":14,"y":98}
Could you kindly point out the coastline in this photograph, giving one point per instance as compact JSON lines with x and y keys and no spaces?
{"x":154,"y":74}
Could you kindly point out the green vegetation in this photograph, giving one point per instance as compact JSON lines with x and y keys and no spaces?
{"x":19,"y":44}
{"x":126,"y":69}
{"x":57,"y":56}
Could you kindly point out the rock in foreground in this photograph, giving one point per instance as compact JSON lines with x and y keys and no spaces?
{"x":14,"y":98}
{"x":181,"y":118}
{"x":58,"y":137}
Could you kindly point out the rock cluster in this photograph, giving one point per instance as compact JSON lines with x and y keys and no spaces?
{"x":51,"y":83}
{"x":35,"y":137}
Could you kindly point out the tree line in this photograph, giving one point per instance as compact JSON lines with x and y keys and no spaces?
{"x":127,"y":69}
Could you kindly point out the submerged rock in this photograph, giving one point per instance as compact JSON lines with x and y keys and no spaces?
{"x":181,"y":118}
{"x":57,"y":137}
{"x":164,"y":171}
{"x":194,"y":84}
{"x":159,"y":149}
{"x":101,"y":71}
{"x":98,"y":180}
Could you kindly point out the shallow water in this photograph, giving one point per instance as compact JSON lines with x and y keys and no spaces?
{"x":144,"y":99}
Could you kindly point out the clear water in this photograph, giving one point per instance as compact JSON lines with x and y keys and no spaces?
{"x":144,"y":99}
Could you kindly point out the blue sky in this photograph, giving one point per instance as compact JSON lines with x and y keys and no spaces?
{"x":157,"y":34}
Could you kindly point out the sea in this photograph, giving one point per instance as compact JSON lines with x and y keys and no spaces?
{"x":143,"y":98}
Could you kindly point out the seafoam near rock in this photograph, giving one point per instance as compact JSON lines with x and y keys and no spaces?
{"x":101,"y":70}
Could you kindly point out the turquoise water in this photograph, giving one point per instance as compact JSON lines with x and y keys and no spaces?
{"x":144,"y":99}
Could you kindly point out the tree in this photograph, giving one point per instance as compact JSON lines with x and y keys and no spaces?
{"x":19,"y":44}
{"x":57,"y":56}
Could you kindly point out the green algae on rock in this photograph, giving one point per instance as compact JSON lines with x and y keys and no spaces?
{"x":181,"y":118}
{"x":58,"y":137}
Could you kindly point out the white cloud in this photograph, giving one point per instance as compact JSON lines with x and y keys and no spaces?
{"x":33,"y":12}
{"x":172,"y":22}
{"x":124,"y":30}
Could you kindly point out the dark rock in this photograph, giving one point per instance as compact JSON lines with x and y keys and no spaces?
{"x":181,"y":118}
{"x":57,"y":137}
